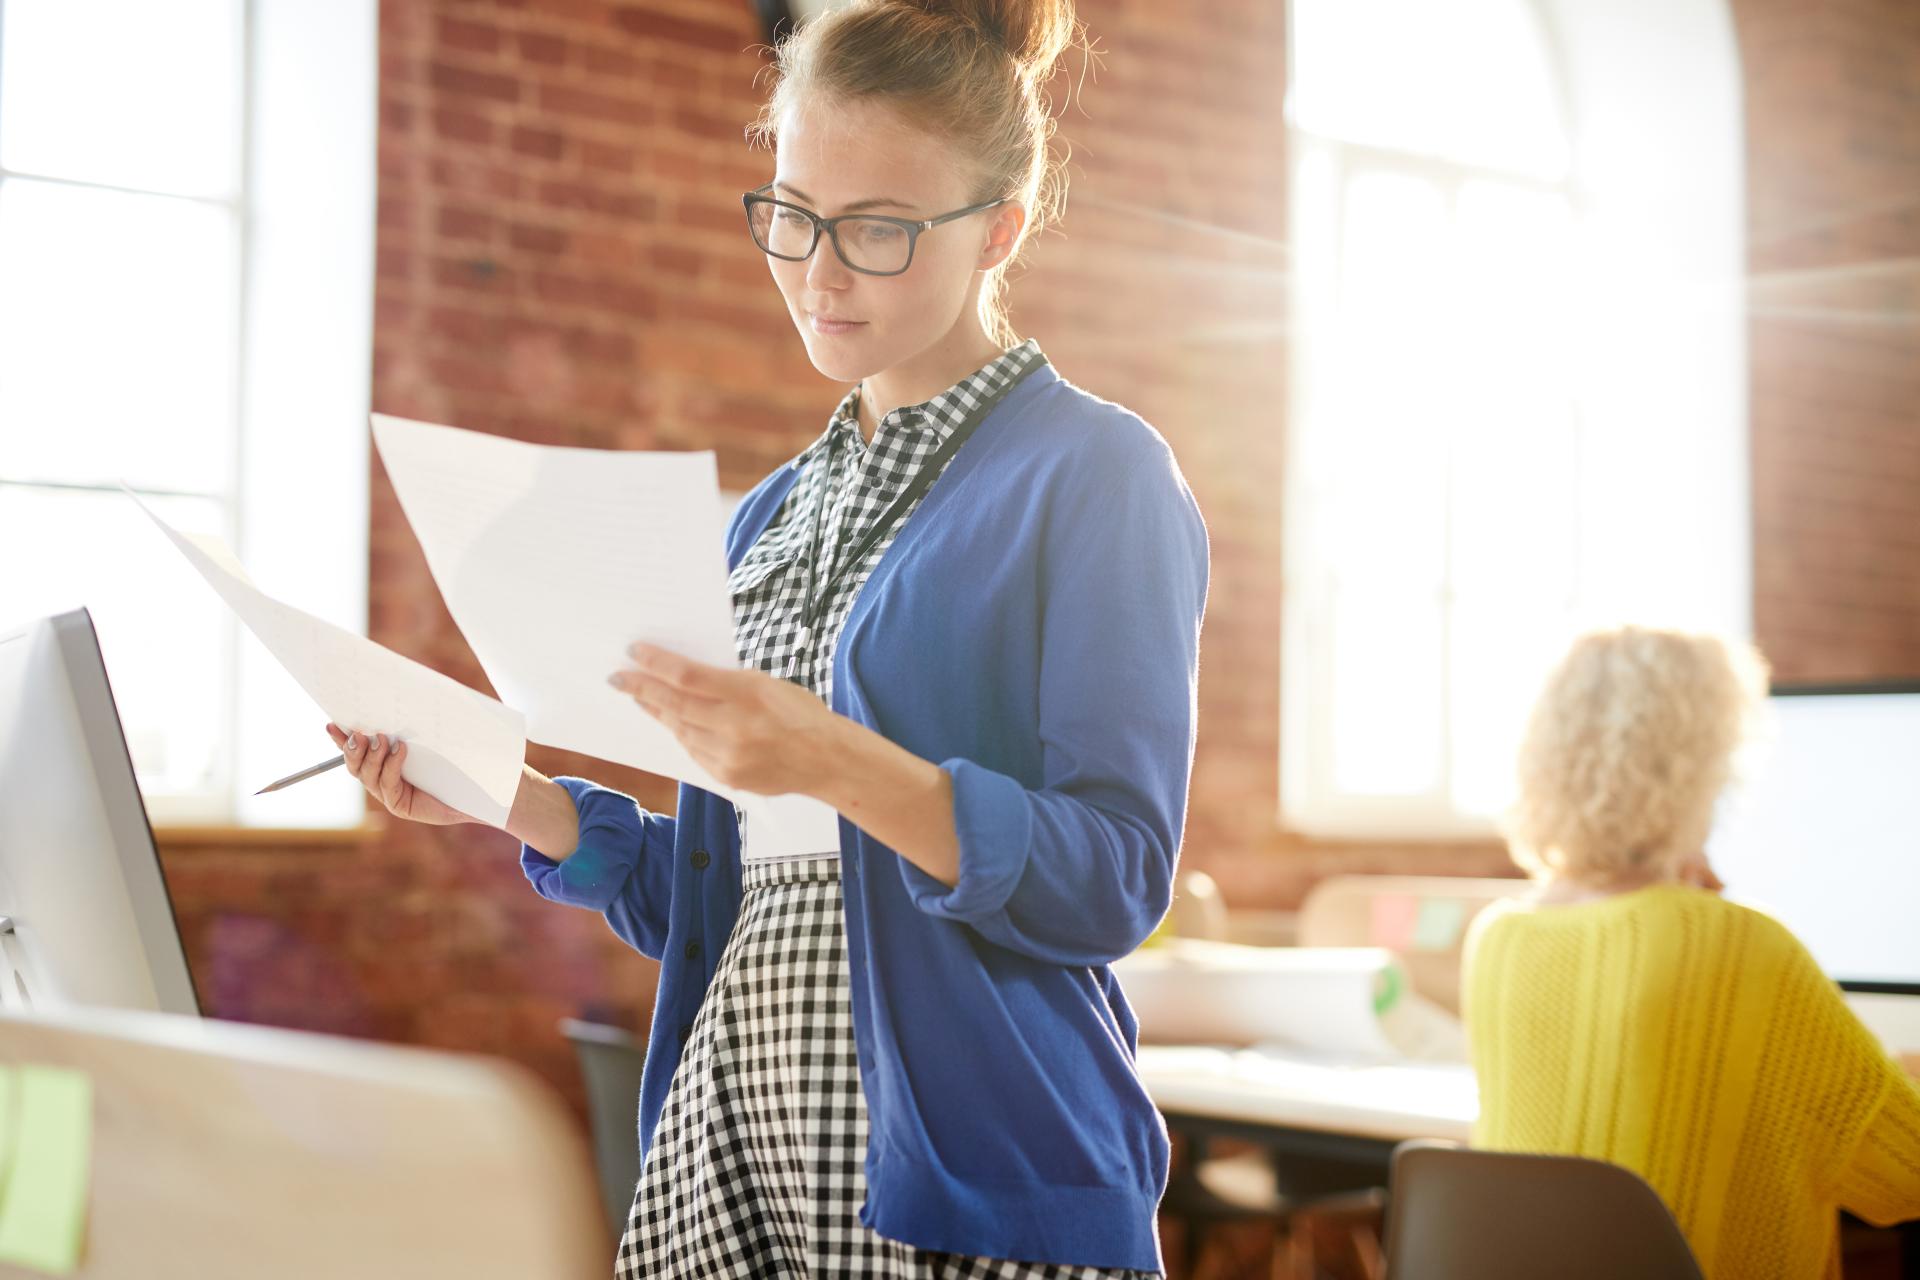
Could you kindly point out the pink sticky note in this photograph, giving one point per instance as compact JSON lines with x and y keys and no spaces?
{"x":1395,"y":916}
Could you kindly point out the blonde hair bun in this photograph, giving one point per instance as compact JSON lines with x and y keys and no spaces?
{"x":1034,"y":33}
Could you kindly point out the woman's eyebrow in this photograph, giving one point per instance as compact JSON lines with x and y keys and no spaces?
{"x":874,"y":203}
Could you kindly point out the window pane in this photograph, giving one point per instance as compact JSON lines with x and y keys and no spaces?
{"x":1501,"y":651}
{"x":1388,"y":677}
{"x":117,"y":337}
{"x":1515,"y":481}
{"x":165,"y":635}
{"x":1383,"y":439}
{"x":1467,"y":80}
{"x":131,"y":93}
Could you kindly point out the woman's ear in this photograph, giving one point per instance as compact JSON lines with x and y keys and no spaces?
{"x":1003,"y":234}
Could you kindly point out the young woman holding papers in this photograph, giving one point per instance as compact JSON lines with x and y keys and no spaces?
{"x":969,"y":617}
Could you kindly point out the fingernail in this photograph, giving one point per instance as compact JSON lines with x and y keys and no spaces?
{"x":352,"y":740}
{"x":614,"y":680}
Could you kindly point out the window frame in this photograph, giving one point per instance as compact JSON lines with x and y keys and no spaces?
{"x":1309,"y":804}
{"x":283,"y":50}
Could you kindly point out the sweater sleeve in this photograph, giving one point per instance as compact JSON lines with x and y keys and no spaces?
{"x":1861,"y":1111}
{"x":1079,"y":870}
{"x":1880,"y":1182}
{"x":622,"y":866}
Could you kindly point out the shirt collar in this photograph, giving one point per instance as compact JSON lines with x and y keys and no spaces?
{"x":941,"y":415}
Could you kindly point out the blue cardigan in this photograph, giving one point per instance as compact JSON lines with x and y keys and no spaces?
{"x":1035,"y":628}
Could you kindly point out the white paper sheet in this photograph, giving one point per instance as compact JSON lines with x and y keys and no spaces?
{"x":462,"y":746}
{"x":552,"y":560}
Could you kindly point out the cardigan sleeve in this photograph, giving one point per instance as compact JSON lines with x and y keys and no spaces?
{"x":622,"y":866}
{"x":1079,"y":869}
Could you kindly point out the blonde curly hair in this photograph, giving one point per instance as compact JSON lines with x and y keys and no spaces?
{"x":1627,"y":750}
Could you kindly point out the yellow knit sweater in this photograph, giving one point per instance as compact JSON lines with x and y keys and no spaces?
{"x":1697,"y":1043}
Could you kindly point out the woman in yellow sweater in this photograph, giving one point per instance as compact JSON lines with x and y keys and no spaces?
{"x":1628,"y":1013}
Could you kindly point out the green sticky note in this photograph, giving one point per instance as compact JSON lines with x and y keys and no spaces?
{"x":1438,"y":925}
{"x":1387,"y":986}
{"x":43,"y":1200}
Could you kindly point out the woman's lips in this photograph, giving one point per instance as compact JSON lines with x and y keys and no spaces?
{"x":823,"y":325}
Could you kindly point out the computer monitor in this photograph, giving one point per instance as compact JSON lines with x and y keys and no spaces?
{"x":87,"y":916}
{"x":1826,"y":835}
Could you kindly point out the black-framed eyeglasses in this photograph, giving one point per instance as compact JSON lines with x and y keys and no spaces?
{"x":869,"y":243}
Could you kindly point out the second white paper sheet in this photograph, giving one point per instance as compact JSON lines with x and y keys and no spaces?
{"x":462,"y":746}
{"x":552,"y":560}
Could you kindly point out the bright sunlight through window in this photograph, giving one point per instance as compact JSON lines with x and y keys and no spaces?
{"x":1457,"y":489}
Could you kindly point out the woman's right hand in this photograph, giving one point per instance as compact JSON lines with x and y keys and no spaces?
{"x":376,"y":763}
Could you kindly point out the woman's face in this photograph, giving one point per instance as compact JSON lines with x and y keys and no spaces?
{"x":864,"y":158}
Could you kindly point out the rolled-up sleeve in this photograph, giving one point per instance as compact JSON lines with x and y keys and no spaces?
{"x":1079,"y":870}
{"x":622,"y":866}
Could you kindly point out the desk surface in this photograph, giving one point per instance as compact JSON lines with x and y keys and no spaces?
{"x":1392,"y":1102}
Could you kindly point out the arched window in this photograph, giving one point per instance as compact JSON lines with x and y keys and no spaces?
{"x":1518,"y":392}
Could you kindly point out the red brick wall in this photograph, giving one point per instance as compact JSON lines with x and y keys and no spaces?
{"x":1833,"y":114}
{"x":561,"y":258}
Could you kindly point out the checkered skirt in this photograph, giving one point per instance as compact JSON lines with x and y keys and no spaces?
{"x":757,"y":1167}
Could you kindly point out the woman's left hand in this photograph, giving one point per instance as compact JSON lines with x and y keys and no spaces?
{"x":1695,"y":870}
{"x":748,"y":729}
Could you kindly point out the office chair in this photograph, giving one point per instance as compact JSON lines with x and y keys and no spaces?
{"x":610,"y":1061}
{"x":1488,"y":1215}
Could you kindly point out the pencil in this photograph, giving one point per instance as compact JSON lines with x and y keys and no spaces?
{"x":303,"y":775}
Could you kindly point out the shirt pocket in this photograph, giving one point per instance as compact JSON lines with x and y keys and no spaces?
{"x":762,"y":571}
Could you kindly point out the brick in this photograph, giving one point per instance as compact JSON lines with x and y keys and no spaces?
{"x":467,"y":82}
{"x":614,"y":201}
{"x":472,"y":37}
{"x":676,"y":260}
{"x":723,"y":38}
{"x":460,"y":126}
{"x":392,"y":262}
{"x":544,"y":144}
{"x":709,"y":126}
{"x":396,"y":117}
{"x":665,"y":74}
{"x":474,"y":177}
{"x":610,"y":156}
{"x":591,"y":105}
{"x":477,"y":272}
{"x":543,"y":240}
{"x":543,"y":50}
{"x":456,"y":223}
{"x":610,"y":62}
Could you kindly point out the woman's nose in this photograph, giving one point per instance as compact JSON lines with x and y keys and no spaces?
{"x":824,"y":268}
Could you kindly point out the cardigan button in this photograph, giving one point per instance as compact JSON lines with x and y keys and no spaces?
{"x":693,"y":951}
{"x":700,"y":859}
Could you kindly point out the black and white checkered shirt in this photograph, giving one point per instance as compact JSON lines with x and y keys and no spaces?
{"x":857,"y":482}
